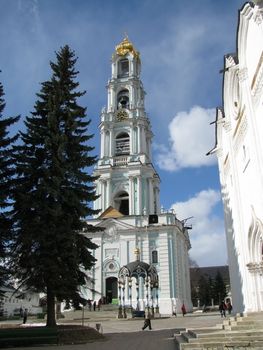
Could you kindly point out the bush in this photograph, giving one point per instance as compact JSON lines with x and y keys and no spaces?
{"x":9,"y":318}
{"x":41,"y":315}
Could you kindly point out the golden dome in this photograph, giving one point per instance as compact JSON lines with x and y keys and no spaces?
{"x":125,"y":47}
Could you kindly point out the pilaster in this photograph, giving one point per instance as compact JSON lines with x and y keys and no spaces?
{"x":164,"y":277}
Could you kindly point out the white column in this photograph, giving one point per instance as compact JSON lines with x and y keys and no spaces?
{"x":108,"y":193}
{"x":131,"y":66}
{"x":132,"y":97}
{"x":151,"y":209}
{"x":130,"y":195}
{"x":139,"y":194}
{"x":158,"y":200}
{"x":109,"y":100}
{"x":132,"y":141}
{"x":143,"y":140}
{"x":139,"y":139}
{"x":103,"y":199}
{"x":102,"y":143}
{"x":99,"y":192}
{"x":164,"y":269}
{"x":111,"y":144}
{"x":96,"y":202}
{"x":98,"y":272}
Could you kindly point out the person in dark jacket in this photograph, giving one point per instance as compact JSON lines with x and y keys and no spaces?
{"x":183,"y":309}
{"x":25,"y":316}
{"x":147,"y":323}
{"x":222,"y":309}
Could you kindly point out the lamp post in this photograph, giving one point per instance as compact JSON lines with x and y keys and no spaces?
{"x":130,"y":293}
{"x":120,"y":315}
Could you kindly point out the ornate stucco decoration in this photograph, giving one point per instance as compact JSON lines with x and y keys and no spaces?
{"x":255,"y":267}
{"x":240,"y":132}
{"x":257,"y":82}
{"x":227,"y":126}
{"x":243,"y":74}
{"x":127,"y":47}
{"x":111,"y":234}
{"x":111,"y":266}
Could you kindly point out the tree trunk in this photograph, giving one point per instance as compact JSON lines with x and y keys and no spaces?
{"x":51,"y":315}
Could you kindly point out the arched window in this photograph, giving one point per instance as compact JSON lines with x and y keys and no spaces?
{"x":123,"y":68}
{"x":121,"y":202}
{"x":154,"y":257}
{"x":122,"y":144}
{"x":123,"y":99}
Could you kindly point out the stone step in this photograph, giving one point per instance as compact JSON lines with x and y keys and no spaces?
{"x":178,"y":340}
{"x":231,"y":345}
{"x":243,"y":327}
{"x":221,"y":338}
{"x":235,"y":333}
{"x":232,"y":334}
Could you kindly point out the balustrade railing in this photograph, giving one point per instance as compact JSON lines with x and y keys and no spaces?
{"x":118,"y":161}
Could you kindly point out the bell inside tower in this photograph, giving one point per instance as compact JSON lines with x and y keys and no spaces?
{"x":121,"y":202}
{"x":123,"y":99}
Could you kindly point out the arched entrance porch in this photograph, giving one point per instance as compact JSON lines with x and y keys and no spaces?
{"x":111,"y":289}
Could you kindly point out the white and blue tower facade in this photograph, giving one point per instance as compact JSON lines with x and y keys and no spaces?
{"x":128,"y":189}
{"x":128,"y":180}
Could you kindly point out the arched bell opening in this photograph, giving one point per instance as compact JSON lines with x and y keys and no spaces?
{"x":123,"y":68}
{"x":123,"y":99}
{"x":122,"y":144}
{"x":121,"y":202}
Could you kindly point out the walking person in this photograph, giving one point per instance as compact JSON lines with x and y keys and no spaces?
{"x":147,"y":322}
{"x":183,"y":309}
{"x":25,"y":316}
{"x":94,"y":305}
{"x":99,"y":304}
{"x":229,"y":307}
{"x":222,"y":309}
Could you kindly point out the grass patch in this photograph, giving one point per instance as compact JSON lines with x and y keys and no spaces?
{"x":30,"y":336}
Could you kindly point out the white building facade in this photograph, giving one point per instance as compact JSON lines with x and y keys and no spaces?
{"x":239,"y":148}
{"x":12,"y":300}
{"x":128,"y":186}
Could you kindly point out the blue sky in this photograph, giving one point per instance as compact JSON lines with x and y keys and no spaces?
{"x":182,"y":44}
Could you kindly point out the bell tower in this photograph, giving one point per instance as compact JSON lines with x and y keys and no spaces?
{"x":127,"y":180}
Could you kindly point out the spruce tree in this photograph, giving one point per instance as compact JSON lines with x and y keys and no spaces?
{"x":6,"y":174}
{"x":219,"y":288}
{"x":54,"y":192}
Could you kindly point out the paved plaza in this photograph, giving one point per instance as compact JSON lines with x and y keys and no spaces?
{"x":127,"y":334}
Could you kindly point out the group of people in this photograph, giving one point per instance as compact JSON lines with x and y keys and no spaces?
{"x":94,"y":305}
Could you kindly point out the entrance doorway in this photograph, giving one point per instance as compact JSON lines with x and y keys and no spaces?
{"x":111,"y":289}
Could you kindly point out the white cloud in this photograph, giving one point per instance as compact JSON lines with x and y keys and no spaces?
{"x":191,"y":137}
{"x":207,"y":235}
